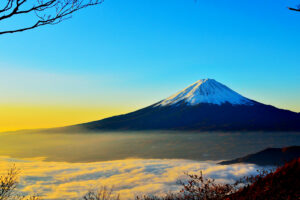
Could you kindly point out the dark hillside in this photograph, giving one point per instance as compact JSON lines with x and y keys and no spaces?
{"x":283,"y":184}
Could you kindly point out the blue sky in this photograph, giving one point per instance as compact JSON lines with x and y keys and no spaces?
{"x":129,"y":54}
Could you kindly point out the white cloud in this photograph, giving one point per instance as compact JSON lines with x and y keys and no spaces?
{"x":130,"y":177}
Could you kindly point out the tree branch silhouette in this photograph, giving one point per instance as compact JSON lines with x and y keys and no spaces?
{"x":295,"y":9}
{"x":45,"y":12}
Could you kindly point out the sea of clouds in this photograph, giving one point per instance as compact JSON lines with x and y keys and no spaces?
{"x":130,"y":177}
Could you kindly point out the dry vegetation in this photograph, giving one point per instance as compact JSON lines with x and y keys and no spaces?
{"x":8,"y":185}
{"x":103,"y":193}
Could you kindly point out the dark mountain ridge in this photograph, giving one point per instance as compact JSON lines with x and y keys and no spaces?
{"x":202,"y":117}
{"x":269,"y":156}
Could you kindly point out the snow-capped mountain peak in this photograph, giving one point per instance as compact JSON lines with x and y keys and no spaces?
{"x":206,"y":91}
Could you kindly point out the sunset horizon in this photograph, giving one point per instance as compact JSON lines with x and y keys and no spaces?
{"x":53,"y":116}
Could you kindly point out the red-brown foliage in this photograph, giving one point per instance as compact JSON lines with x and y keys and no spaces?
{"x":283,"y":184}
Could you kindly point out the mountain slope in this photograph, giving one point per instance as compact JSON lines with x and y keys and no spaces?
{"x":282,"y":184}
{"x":205,"y":105}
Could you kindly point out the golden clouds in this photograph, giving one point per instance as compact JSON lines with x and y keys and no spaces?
{"x":62,"y":180}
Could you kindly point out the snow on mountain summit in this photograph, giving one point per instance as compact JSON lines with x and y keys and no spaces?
{"x":206,"y":91}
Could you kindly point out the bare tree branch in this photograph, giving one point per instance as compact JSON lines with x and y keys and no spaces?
{"x":8,"y":183}
{"x":45,"y":11}
{"x":294,"y":9}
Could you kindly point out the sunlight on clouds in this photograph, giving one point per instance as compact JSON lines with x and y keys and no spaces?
{"x":130,"y":177}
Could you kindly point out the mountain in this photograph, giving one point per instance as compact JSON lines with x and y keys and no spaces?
{"x":206,"y":105}
{"x":206,"y":91}
{"x":269,"y":156}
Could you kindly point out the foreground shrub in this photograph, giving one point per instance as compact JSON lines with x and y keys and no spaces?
{"x":197,"y":187}
{"x":8,"y":185}
{"x":103,"y":193}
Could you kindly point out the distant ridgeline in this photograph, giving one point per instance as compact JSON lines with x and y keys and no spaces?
{"x":206,"y":105}
{"x":269,"y":156}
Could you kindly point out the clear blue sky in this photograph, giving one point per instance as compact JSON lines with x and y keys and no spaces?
{"x":129,"y":54}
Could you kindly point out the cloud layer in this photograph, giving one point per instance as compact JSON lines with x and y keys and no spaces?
{"x":130,"y":177}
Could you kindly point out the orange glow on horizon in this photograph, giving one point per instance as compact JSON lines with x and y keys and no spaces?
{"x":33,"y":117}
